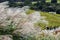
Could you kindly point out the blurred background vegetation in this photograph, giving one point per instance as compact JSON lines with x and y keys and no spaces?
{"x":42,"y":5}
{"x":45,"y":6}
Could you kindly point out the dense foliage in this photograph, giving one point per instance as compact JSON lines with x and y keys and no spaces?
{"x":52,"y":6}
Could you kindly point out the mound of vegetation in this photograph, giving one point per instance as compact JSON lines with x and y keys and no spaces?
{"x":53,"y":20}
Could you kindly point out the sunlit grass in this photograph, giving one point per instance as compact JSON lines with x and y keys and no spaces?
{"x":53,"y":19}
{"x":58,"y":1}
{"x":29,"y":11}
{"x":34,"y":2}
{"x":48,"y":0}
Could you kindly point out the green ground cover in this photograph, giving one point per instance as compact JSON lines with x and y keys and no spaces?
{"x":53,"y":19}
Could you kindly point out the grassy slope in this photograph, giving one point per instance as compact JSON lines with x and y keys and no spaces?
{"x":53,"y":19}
{"x":29,"y":11}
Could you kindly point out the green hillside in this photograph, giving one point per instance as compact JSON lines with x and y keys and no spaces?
{"x":53,"y":19}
